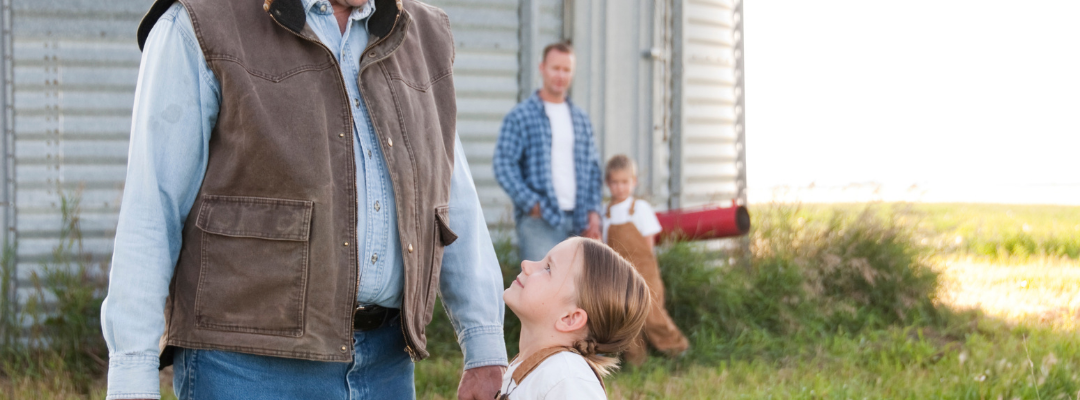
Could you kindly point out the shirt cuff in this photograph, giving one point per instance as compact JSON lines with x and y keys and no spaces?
{"x":483,"y":346}
{"x":134,"y":376}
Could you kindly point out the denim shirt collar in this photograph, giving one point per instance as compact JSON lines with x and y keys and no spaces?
{"x":324,"y":7}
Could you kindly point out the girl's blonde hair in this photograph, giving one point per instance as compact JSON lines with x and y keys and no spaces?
{"x":616,"y":299}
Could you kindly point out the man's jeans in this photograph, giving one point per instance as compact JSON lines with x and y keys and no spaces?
{"x":381,"y":369}
{"x":536,"y":236}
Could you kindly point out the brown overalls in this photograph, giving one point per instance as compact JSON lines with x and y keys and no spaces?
{"x":534,"y":361}
{"x":659,"y":329}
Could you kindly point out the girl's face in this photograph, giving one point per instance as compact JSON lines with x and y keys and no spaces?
{"x":545,"y":290}
{"x":621,"y":182}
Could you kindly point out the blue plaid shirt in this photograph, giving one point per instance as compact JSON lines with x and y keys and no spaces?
{"x":522,"y":163}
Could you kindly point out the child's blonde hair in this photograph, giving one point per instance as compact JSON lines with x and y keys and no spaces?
{"x":616,"y":299}
{"x":620,"y":162}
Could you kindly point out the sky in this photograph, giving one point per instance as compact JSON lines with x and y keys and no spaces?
{"x":977,"y":94}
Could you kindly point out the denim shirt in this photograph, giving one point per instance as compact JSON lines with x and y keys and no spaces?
{"x":176,"y":105}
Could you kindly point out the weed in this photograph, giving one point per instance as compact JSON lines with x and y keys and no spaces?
{"x":63,"y":337}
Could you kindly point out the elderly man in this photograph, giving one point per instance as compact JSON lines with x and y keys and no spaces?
{"x":546,"y":160}
{"x":296,"y":195}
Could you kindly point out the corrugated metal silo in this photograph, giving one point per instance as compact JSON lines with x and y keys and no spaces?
{"x":708,"y":153}
{"x":73,"y":69}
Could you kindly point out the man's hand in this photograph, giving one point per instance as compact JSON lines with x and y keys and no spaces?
{"x":480,"y":383}
{"x":535,"y":213}
{"x":593,"y":231}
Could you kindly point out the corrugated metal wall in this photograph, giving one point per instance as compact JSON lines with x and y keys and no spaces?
{"x":708,"y":157}
{"x":75,"y":64}
{"x":486,"y":73}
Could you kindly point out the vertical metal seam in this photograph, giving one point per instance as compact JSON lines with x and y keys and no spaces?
{"x":675,"y":180}
{"x":8,"y":236}
{"x":528,"y":35}
{"x":740,"y":104}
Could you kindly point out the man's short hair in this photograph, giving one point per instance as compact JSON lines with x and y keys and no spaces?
{"x":620,"y":162}
{"x":562,"y":47}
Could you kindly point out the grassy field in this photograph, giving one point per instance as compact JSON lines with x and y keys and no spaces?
{"x":1005,"y":340}
{"x":894,"y":301}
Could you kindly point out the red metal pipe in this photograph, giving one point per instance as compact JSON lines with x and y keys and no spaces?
{"x":710,"y":222}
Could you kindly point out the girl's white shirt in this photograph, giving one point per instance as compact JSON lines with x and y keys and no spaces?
{"x":644,"y":217}
{"x":564,"y":375}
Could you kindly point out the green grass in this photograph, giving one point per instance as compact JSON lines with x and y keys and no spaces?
{"x":997,"y":232}
{"x":838,"y":302}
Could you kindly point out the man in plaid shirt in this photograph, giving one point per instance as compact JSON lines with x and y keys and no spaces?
{"x":547,"y":161}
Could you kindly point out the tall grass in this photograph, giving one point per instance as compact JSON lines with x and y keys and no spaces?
{"x":848,"y":272}
{"x":56,"y":335}
{"x":809,"y":278}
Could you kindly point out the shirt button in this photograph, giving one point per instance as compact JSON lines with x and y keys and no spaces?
{"x":322,"y":8}
{"x":369,"y":153}
{"x":356,"y":102}
{"x":374,"y":258}
{"x":377,"y":206}
{"x":410,"y":247}
{"x":390,"y":142}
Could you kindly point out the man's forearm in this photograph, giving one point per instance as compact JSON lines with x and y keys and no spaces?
{"x":471,"y":280}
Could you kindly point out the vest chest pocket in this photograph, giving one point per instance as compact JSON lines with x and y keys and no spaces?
{"x":254,"y":265}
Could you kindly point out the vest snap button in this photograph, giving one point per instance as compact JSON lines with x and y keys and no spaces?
{"x":341,"y":135}
{"x":390,"y":142}
{"x":371,"y":54}
{"x":344,"y":349}
{"x":346,"y":243}
{"x":410,"y":247}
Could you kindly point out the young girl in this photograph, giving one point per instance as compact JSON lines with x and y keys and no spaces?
{"x":578,"y":306}
{"x":630,"y":227}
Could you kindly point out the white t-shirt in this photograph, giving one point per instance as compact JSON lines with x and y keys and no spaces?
{"x":562,"y":376}
{"x":562,"y":154}
{"x":644,"y":217}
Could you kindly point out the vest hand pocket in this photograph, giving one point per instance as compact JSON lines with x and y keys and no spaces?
{"x":253,"y":267}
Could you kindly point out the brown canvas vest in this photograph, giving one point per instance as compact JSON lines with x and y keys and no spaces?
{"x":269,"y":260}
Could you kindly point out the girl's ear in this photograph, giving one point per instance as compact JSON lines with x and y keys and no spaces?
{"x":572,"y":321}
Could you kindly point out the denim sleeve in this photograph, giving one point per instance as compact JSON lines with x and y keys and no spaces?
{"x":471,"y":280}
{"x":176,"y":105}
{"x":509,"y":150}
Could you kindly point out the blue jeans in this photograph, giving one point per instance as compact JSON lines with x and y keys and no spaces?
{"x":536,"y":236}
{"x":381,"y":369}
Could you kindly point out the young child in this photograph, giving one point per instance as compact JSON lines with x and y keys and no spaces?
{"x":630,"y":227}
{"x":578,"y":305}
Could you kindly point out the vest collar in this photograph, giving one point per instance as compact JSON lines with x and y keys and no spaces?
{"x":291,"y":15}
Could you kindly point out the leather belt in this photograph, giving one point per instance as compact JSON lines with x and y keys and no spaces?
{"x":366,"y":318}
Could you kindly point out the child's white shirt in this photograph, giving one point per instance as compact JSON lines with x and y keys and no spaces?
{"x":644,"y":217}
{"x":564,"y":375}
